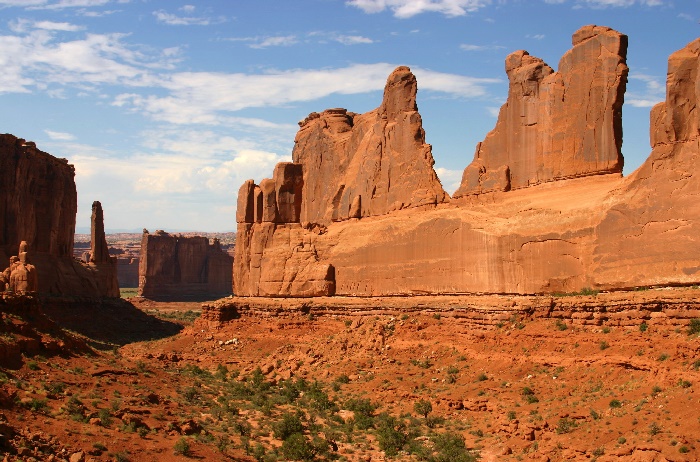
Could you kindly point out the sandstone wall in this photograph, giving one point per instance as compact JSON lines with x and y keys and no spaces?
{"x":178,"y":267}
{"x":38,"y":204}
{"x":585,"y":230}
{"x":556,"y":125}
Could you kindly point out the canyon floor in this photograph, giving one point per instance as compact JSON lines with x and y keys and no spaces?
{"x":164,"y":384}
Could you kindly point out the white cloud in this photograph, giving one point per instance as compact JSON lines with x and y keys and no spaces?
{"x":59,"y":136}
{"x":276,"y":41}
{"x":654,"y":90}
{"x":201,"y":97}
{"x":38,"y":60}
{"x":175,"y":20}
{"x":493,"y":111}
{"x":686,"y":16}
{"x":61,"y":4}
{"x":409,"y":8}
{"x":60,"y":26}
{"x":610,"y":3}
{"x":535,"y":36}
{"x":175,"y":181}
{"x":353,"y":39}
{"x":450,"y":179}
{"x":470,"y":47}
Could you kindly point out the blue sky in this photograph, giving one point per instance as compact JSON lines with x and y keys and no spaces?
{"x":166,"y":107}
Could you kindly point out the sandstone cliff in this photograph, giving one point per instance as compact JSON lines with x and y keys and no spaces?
{"x":366,"y":165}
{"x":178,"y":267}
{"x":583,"y":230}
{"x":346,"y":166}
{"x":556,"y":125}
{"x":38,"y":205}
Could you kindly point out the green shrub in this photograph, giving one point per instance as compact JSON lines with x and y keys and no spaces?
{"x":604,"y":345}
{"x":450,"y":447}
{"x":565,"y":425}
{"x":297,"y":447}
{"x":643,"y":327}
{"x":182,"y":447}
{"x":33,"y":365}
{"x":561,"y":325}
{"x":615,"y":404}
{"x":289,"y":425}
{"x":391,"y":435}
{"x":423,"y":408}
{"x":482,"y":377}
{"x":694,"y":326}
{"x":654,"y":429}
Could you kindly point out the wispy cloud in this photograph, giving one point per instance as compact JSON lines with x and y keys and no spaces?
{"x":535,"y":36}
{"x":471,"y":47}
{"x":409,"y":8}
{"x":611,"y":3}
{"x":52,"y":5}
{"x":654,"y":90}
{"x":188,"y":17}
{"x":60,"y":136}
{"x":60,"y":26}
{"x":201,"y":97}
{"x":276,"y":41}
{"x":260,"y":42}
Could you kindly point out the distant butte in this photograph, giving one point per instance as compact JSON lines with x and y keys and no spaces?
{"x":541,"y":209}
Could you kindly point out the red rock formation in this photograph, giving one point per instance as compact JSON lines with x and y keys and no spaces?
{"x":38,"y":200}
{"x":649,"y":234}
{"x":38,"y":204}
{"x":100,"y":262}
{"x":378,"y":161}
{"x":601,"y":231}
{"x":556,"y":125}
{"x":178,"y":267}
{"x":345,"y":166}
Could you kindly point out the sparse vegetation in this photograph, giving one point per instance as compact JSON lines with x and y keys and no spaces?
{"x":694,"y":326}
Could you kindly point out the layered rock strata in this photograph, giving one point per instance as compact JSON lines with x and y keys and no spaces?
{"x":177,"y":267}
{"x":616,"y":309}
{"x":597,"y":231}
{"x":556,"y":125}
{"x":38,"y":205}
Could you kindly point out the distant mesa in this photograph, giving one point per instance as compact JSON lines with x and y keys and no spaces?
{"x":176,"y":267}
{"x":542,"y":208}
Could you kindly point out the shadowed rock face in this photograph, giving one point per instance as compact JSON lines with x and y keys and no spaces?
{"x":38,"y":204}
{"x":38,"y":200}
{"x":556,"y":125}
{"x":583,"y":230}
{"x":177,"y":267}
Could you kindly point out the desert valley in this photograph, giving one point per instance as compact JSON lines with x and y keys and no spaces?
{"x":547,"y":310}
